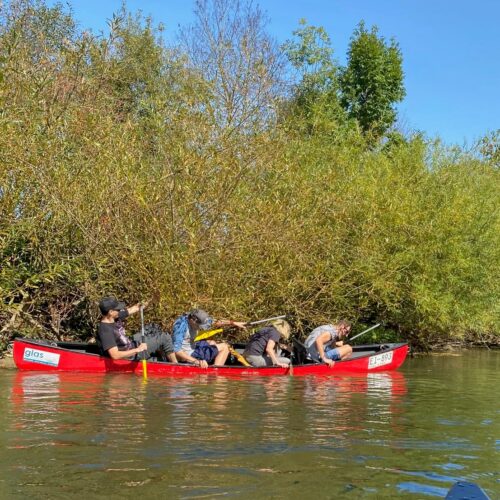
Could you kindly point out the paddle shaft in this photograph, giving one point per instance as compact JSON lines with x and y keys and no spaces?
{"x":266,"y":320}
{"x":210,"y":333}
{"x":366,"y":331}
{"x":143,"y":339}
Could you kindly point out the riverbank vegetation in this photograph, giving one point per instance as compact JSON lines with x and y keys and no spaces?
{"x":229,"y":173}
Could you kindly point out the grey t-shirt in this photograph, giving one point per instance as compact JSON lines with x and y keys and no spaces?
{"x":310,"y":342}
{"x":258,"y":341}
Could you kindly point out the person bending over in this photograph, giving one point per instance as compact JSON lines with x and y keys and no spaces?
{"x":114,"y":343}
{"x":204,"y":352}
{"x":325,"y":343}
{"x":261,"y":350}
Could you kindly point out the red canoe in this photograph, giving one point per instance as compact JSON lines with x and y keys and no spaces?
{"x":34,"y":355}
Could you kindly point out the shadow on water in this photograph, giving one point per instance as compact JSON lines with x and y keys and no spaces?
{"x":410,"y":433}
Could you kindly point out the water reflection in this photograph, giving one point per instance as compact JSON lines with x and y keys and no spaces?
{"x":375,"y":435}
{"x":271,"y":414}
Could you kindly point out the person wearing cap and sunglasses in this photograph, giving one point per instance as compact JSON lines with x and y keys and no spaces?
{"x":113,"y":341}
{"x":325,"y":343}
{"x":204,"y":352}
{"x":261,"y":349}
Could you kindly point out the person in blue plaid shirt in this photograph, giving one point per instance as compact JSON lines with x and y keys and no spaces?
{"x":204,"y":352}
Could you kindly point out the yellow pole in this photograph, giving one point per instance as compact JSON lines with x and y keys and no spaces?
{"x":143,"y":339}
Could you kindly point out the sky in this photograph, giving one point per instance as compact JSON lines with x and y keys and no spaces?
{"x":451,"y":50}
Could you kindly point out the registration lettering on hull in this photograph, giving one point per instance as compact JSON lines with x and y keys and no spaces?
{"x":382,"y":359}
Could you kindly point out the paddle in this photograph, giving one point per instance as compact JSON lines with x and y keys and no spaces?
{"x":143,"y":339}
{"x":207,"y":334}
{"x":238,"y":356}
{"x":210,"y":333}
{"x":365,"y":331}
{"x":265,"y":320}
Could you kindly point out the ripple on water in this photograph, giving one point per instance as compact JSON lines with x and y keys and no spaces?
{"x":376,"y":436}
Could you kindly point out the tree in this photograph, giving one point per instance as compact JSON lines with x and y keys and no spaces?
{"x":315,"y":95}
{"x":311,"y":55}
{"x":489,"y":147}
{"x":229,"y":46}
{"x":372,"y":82}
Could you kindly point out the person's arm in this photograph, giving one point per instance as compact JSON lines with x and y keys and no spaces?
{"x":114,"y":353}
{"x":237,"y":324}
{"x":272,"y":354}
{"x":136,"y":308}
{"x":184,"y":356}
{"x":172,"y":357}
{"x":320,"y":346}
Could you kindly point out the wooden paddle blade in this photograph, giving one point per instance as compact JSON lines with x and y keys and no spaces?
{"x":207,"y":334}
{"x":238,"y":356}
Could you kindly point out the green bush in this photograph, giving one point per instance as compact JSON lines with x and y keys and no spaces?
{"x":118,"y":177}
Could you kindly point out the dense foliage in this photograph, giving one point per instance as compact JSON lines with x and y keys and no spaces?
{"x":199,"y":175}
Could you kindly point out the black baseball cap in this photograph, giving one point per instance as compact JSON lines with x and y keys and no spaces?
{"x":110,"y":304}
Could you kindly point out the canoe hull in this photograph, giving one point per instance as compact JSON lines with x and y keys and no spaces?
{"x":32,"y":355}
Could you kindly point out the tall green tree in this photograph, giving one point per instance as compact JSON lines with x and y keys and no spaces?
{"x":372,"y":82}
{"x":311,"y":55}
{"x":315,"y":91}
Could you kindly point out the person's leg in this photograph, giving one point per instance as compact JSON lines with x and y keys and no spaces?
{"x":256,"y":361}
{"x":166,"y":347}
{"x":158,"y":344}
{"x":222,"y":355}
{"x":151,"y":344}
{"x":345,"y":351}
{"x":339,"y":353}
{"x":282,"y":359}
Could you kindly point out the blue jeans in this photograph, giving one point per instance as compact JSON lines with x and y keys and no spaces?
{"x":333,"y":354}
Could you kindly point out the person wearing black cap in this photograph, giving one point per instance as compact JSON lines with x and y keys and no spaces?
{"x":113,"y":341}
{"x":204,"y":352}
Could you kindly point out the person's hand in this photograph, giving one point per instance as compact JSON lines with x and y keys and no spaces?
{"x":201,"y":363}
{"x":144,"y":304}
{"x":282,"y":365}
{"x":141,"y":347}
{"x":328,"y":362}
{"x":239,"y":324}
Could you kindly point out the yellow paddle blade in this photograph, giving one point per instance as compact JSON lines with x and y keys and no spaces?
{"x":144,"y":369}
{"x":239,"y":357}
{"x":206,"y":335}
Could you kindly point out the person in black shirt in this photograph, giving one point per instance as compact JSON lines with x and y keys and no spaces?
{"x":261,"y":349}
{"x":113,"y":341}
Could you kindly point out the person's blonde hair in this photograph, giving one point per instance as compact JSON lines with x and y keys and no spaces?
{"x":283,"y":328}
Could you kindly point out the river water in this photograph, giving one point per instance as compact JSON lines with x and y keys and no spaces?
{"x":405,"y":434}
